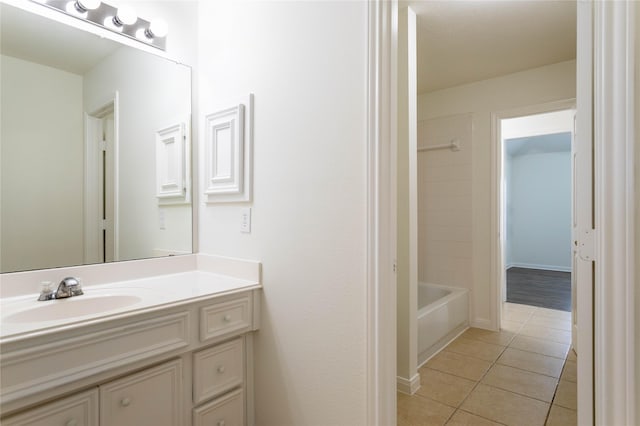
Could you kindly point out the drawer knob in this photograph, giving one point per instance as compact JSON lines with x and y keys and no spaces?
{"x":227,"y":318}
{"x":125,"y":402}
{"x":221,"y":423}
{"x":72,"y":422}
{"x":221,"y":369}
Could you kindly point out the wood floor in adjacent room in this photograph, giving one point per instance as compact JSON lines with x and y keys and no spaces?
{"x":537,"y":287}
{"x":522,"y":375}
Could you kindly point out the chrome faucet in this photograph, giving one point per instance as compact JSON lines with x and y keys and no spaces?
{"x":68,"y":287}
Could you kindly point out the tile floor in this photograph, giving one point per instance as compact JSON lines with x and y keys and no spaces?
{"x":523,"y":375}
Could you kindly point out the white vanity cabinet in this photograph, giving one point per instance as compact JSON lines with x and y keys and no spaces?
{"x":194,"y":371}
{"x":80,"y":409}
{"x":150,"y":397}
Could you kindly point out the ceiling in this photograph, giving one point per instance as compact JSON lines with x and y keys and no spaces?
{"x":34,"y":38}
{"x":461,"y":41}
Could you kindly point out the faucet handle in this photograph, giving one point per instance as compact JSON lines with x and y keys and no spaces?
{"x":46,"y":290}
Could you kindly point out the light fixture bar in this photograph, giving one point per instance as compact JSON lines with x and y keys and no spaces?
{"x":103,"y":16}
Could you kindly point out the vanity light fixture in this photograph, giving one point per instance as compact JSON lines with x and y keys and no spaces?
{"x":158,"y":28}
{"x":86,"y":5}
{"x":122,"y":20}
{"x":125,"y":16}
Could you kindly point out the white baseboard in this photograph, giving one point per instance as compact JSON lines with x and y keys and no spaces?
{"x":543,"y":267}
{"x":483,"y":323}
{"x":410,"y":386}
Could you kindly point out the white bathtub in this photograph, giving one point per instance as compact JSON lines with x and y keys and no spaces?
{"x":443,"y":313}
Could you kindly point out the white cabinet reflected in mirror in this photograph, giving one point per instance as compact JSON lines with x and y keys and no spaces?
{"x":79,"y":124}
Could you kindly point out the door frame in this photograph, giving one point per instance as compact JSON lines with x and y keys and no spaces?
{"x":92,"y":180}
{"x":610,"y":25}
{"x":381,"y":151}
{"x":614,"y":194}
{"x":498,"y":277}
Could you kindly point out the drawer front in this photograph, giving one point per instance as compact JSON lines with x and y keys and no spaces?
{"x":227,"y":410}
{"x":225,"y":318}
{"x":150,"y":397}
{"x":217,"y":370}
{"x":91,"y":353}
{"x":77,"y":410}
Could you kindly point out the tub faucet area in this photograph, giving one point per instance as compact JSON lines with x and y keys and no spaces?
{"x":68,"y":287}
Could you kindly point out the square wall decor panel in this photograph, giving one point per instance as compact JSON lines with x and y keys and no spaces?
{"x":173,"y":164}
{"x":227,"y":161}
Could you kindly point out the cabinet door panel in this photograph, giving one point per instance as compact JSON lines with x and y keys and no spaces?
{"x":217,"y":370}
{"x":77,"y":410}
{"x":228,"y":410}
{"x":151,"y":397}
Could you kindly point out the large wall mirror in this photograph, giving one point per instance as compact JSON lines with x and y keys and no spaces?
{"x":94,"y":148}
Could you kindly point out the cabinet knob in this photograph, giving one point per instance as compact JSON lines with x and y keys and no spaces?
{"x":221,"y":369}
{"x":221,"y":423}
{"x":125,"y":402}
{"x":227,"y":318}
{"x":72,"y":422}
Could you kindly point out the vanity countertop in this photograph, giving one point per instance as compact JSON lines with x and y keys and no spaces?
{"x":22,"y":317}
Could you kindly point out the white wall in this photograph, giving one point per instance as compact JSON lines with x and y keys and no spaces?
{"x":41,"y":135}
{"x":480,"y":99}
{"x":444,"y":200}
{"x":306,"y":63}
{"x":153,"y":94}
{"x":539,"y":211}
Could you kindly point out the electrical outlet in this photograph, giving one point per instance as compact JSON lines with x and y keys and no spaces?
{"x":245,"y":220}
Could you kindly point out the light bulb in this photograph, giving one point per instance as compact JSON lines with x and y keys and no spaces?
{"x":157,"y":28}
{"x":85,"y":5}
{"x":125,"y":16}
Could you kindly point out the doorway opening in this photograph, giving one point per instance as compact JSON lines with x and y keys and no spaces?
{"x":537,"y":209}
{"x":100,"y":216}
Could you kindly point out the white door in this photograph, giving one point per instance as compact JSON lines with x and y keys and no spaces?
{"x":583,"y":218}
{"x":109,"y":189}
{"x":100,"y":239}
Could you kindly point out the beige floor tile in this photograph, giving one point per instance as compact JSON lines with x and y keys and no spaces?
{"x":516,"y":315}
{"x":540,"y":346}
{"x":475,"y":348}
{"x":462,"y":418}
{"x":556,"y":323}
{"x":566,"y":395}
{"x":570,"y":372}
{"x":505,"y":407}
{"x":531,"y":361}
{"x":496,"y":337}
{"x":559,"y":336}
{"x":511,"y":326}
{"x":525,"y":383}
{"x":560,"y":416}
{"x":459,"y":365}
{"x":445,"y":388}
{"x":552,"y":313}
{"x":517,"y":307}
{"x":419,"y":411}
{"x":572,"y":356}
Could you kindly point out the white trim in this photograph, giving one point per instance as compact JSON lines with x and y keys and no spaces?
{"x":381,"y":213}
{"x":236,"y":186}
{"x":537,"y":266}
{"x":409,"y":386}
{"x":614,"y":356}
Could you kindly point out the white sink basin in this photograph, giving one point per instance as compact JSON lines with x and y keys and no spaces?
{"x":76,"y":306}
